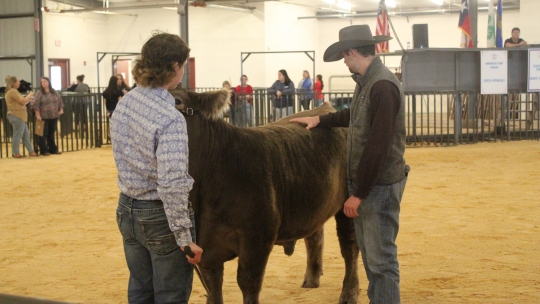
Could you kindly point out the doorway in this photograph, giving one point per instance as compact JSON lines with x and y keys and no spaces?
{"x":59,"y":73}
{"x":123,"y":66}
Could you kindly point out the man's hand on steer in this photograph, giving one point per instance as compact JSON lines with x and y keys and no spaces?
{"x":311,"y":122}
{"x":197,"y":251}
{"x":351,"y":206}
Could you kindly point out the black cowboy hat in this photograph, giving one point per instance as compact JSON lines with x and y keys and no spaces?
{"x":351,"y":37}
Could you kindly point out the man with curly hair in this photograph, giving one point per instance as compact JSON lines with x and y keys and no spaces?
{"x":150,"y":146}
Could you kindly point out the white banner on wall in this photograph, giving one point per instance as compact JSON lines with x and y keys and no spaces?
{"x":494,"y":72}
{"x":533,"y":83}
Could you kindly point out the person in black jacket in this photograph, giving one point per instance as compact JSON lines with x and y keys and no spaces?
{"x":282,"y":92}
{"x":112,"y":95}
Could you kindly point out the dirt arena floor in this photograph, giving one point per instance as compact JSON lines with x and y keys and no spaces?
{"x":470,"y":231}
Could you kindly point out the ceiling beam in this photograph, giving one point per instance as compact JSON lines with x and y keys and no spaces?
{"x":400,"y":13}
{"x":83,"y":3}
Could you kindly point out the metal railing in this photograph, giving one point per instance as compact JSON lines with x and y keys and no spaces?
{"x":431,"y":118}
{"x":468,"y":117}
{"x":81,"y":126}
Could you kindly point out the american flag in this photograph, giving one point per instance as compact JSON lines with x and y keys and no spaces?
{"x":383,"y":28}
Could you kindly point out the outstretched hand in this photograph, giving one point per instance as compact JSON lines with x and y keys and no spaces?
{"x":351,"y":206}
{"x":311,"y":122}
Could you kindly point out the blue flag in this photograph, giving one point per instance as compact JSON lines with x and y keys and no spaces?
{"x":499,"y":25}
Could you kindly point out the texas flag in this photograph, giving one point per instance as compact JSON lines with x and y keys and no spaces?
{"x":465,"y":26}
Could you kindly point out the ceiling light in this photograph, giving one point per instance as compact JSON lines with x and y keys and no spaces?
{"x":334,"y":10}
{"x":231,"y":8}
{"x":344,"y":5}
{"x":171,"y":8}
{"x":104,"y":12}
{"x":390,"y":3}
{"x":439,"y":2}
{"x":330,"y":1}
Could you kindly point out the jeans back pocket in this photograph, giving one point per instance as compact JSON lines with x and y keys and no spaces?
{"x":158,"y":236}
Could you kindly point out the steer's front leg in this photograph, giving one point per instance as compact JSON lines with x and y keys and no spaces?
{"x":252,"y":260}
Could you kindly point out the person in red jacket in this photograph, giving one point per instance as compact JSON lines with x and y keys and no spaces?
{"x":319,"y":86}
{"x":245,"y":103}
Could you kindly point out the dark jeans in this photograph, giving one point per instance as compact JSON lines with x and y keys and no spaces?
{"x":305,"y":103}
{"x":377,"y":226}
{"x":46,"y":142}
{"x":158,"y":269}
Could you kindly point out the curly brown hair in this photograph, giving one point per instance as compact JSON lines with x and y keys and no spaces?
{"x":155,"y":67}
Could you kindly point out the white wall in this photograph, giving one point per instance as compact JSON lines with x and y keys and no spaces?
{"x":81,"y":37}
{"x":129,"y":33}
{"x":284,"y":32}
{"x":529,"y":24}
{"x":216,"y":38}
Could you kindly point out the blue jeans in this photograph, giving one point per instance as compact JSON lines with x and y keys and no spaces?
{"x":158,"y":269}
{"x":243,"y":116}
{"x":20,"y":131}
{"x":283,"y":112}
{"x":377,"y":226}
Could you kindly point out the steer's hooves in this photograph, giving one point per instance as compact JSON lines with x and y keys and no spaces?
{"x":307,"y":284}
{"x":349,"y":298}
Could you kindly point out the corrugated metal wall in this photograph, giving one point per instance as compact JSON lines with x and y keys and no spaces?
{"x":16,"y":6}
{"x":17,"y":38}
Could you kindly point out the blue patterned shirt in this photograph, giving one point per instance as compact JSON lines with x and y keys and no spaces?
{"x":150,"y":146}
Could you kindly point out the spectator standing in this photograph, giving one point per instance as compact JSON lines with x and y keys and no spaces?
{"x":112,"y":95}
{"x":18,"y":116}
{"x":319,"y":86}
{"x":122,"y":86}
{"x":48,"y":107}
{"x":283,"y":95}
{"x":80,"y":86}
{"x":304,"y":90}
{"x":245,"y":108}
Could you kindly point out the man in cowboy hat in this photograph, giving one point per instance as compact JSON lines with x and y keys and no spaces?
{"x":375,"y":146}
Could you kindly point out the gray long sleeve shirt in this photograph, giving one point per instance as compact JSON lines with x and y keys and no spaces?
{"x":287,"y":99}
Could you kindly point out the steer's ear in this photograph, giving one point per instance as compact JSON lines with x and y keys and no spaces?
{"x":212,"y":104}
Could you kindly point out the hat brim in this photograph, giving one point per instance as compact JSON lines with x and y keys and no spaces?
{"x":334,"y":52}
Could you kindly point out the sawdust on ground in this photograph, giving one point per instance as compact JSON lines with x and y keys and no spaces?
{"x":470,"y":231}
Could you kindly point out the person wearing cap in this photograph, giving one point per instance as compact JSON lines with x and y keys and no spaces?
{"x":377,"y":170}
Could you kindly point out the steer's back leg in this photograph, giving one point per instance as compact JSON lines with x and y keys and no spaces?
{"x":314,"y":249}
{"x":349,"y":251}
{"x":252,"y":259}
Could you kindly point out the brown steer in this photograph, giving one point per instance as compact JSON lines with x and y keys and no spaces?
{"x":258,"y":187}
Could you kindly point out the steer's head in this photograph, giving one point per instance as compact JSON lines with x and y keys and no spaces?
{"x":211,"y":105}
